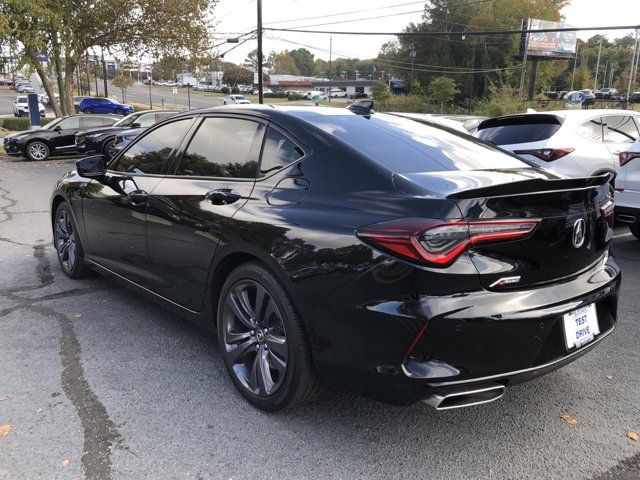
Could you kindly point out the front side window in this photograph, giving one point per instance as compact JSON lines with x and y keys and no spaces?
{"x":153,"y":152}
{"x":68,"y":123}
{"x":147,"y":120}
{"x":278,"y":152}
{"x":222,"y":147}
{"x":86,"y":122}
{"x":592,"y":129}
{"x":620,"y":129}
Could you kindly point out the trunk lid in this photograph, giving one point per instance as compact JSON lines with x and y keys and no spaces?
{"x":572,"y":234}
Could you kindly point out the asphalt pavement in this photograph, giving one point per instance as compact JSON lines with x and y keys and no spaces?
{"x":96,"y":382}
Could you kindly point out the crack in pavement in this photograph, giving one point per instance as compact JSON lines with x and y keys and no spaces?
{"x":100,"y":434}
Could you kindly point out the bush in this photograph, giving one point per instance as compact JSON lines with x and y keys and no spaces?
{"x":275,"y":95}
{"x":502,"y":100}
{"x":380,"y":92}
{"x":225,"y":90}
{"x":235,"y":89}
{"x":17,"y":124}
{"x":295,"y":97}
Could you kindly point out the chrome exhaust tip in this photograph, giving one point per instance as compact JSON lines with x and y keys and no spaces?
{"x":626,"y":218}
{"x":465,"y":397}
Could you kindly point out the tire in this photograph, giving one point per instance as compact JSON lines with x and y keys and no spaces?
{"x":119,"y":111}
{"x":67,"y":243}
{"x":108,"y":150}
{"x":88,"y":110}
{"x":266,"y":353}
{"x":635,"y":230}
{"x":37,"y":151}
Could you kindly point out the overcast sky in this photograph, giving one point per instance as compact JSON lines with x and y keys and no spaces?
{"x":240,"y":16}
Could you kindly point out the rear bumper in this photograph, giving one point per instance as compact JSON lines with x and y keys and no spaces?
{"x":469,"y":340}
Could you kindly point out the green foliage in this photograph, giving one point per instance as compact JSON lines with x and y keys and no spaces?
{"x":380,"y":92}
{"x":225,"y":90}
{"x":235,"y":90}
{"x":294,"y":97}
{"x":442,"y":90}
{"x":502,"y":100}
{"x":237,"y":75}
{"x":122,"y":81}
{"x":582,"y":78}
{"x":275,"y":95}
{"x":17,"y":124}
{"x":304,"y":61}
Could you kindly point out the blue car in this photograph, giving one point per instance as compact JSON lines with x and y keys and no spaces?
{"x":104,"y":105}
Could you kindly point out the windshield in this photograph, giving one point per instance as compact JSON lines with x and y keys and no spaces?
{"x":126,"y":121}
{"x":22,"y":100}
{"x":239,"y":97}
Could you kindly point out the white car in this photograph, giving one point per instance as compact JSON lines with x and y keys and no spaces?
{"x":308,"y":95}
{"x":235,"y":100}
{"x":264,"y":90}
{"x":337,"y":93}
{"x":25,"y":88}
{"x":21,"y":106}
{"x":627,"y":195}
{"x":572,"y":143}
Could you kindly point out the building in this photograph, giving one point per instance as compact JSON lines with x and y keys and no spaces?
{"x":350,"y":86}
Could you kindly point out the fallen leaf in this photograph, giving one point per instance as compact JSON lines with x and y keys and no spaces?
{"x":633,"y":436}
{"x":609,"y":377}
{"x":38,"y":410}
{"x":65,"y":463}
{"x":4,"y":430}
{"x":569,"y":419}
{"x":77,"y":315}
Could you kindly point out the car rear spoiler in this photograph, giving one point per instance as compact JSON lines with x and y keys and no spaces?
{"x":535,"y":185}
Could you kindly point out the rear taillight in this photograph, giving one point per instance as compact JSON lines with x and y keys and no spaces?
{"x":546,"y":154}
{"x":439,"y":243}
{"x":607,"y":210}
{"x":626,"y":157}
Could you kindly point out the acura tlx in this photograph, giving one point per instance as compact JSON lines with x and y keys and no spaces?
{"x":402,"y":259}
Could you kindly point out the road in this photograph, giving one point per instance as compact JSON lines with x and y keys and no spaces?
{"x":99,"y":383}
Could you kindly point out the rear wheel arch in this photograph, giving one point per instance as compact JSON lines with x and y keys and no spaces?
{"x":228,"y":261}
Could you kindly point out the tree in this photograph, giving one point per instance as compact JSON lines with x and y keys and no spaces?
{"x":67,"y":29}
{"x":237,"y":75}
{"x":304,"y":61}
{"x":123,"y":82}
{"x":380,"y":92}
{"x":442,"y":90}
{"x":252,"y":60}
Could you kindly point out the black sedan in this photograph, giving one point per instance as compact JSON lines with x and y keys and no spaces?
{"x":55,"y":138}
{"x":101,"y":140}
{"x":406,"y":261}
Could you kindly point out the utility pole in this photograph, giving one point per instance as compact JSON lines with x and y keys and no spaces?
{"x":95,"y":73}
{"x":606,"y":70}
{"x":260,"y":93}
{"x":573,"y":75}
{"x":595,"y":82}
{"x":525,"y":27}
{"x":473,"y":66}
{"x":86,"y":64}
{"x":412,"y":53}
{"x":150,"y":79}
{"x":633,"y":61}
{"x":104,"y":73}
{"x":330,"y":53}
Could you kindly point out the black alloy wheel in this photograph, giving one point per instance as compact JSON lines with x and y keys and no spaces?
{"x":67,"y":243}
{"x":88,"y":110}
{"x":262,"y":340}
{"x":109,"y":148}
{"x":119,"y":111}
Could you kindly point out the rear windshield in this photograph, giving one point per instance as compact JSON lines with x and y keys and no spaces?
{"x":407,"y":146}
{"x":522,"y":129}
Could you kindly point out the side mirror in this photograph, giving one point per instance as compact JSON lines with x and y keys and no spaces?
{"x":57,"y":128}
{"x":135,"y":125}
{"x":92,"y":167}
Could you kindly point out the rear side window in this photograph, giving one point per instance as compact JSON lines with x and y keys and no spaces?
{"x":620,"y":129}
{"x":86,"y":122}
{"x":278,"y":152}
{"x":520,"y":129}
{"x":591,"y":129}
{"x":71,"y":122}
{"x":222,"y":147}
{"x":406,"y":146}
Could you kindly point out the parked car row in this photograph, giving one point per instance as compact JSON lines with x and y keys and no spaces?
{"x":21,"y":106}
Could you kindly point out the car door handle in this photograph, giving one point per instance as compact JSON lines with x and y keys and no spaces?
{"x":137,"y":197}
{"x":222,"y":197}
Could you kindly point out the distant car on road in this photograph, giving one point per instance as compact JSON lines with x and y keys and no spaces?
{"x":104,"y":105}
{"x":338,"y":93}
{"x":627,"y":195}
{"x":320,"y":97}
{"x":102,"y":140}
{"x":45,"y":100}
{"x":25,"y":88}
{"x":607,"y":93}
{"x":634,"y":97}
{"x":590,"y":97}
{"x":21,"y":106}
{"x":357,"y":95}
{"x":311,"y":93}
{"x":55,"y":138}
{"x":575,"y":143}
{"x":264,"y":90}
{"x":77,"y":100}
{"x":235,"y":100}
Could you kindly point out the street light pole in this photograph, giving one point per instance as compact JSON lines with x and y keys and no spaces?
{"x":150,"y":79}
{"x":330,"y":54}
{"x":595,"y":82}
{"x":260,"y":92}
{"x":573,"y":75}
{"x":473,"y":66}
{"x":104,"y":73}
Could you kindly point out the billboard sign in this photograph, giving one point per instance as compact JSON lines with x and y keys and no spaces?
{"x":551,"y":44}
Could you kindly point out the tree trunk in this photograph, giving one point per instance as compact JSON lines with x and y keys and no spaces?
{"x":33,"y":58}
{"x":57,"y":61}
{"x":69,"y":68}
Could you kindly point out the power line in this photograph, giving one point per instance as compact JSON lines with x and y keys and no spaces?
{"x":357,"y":19}
{"x":438,"y":33}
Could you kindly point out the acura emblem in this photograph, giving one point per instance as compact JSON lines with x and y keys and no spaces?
{"x":579,"y":230}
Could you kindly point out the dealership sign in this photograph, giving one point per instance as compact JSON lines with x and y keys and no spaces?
{"x":550,"y":44}
{"x":575,"y":98}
